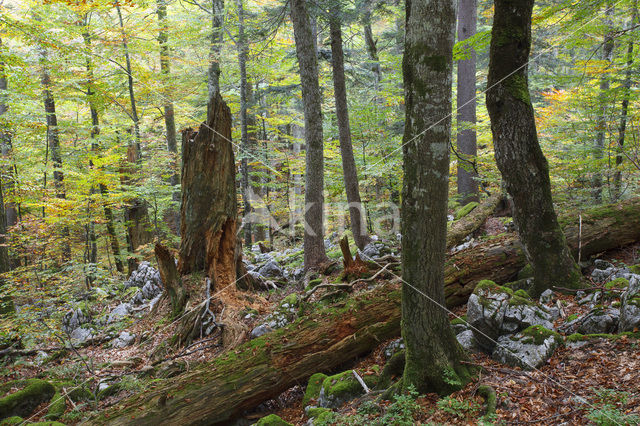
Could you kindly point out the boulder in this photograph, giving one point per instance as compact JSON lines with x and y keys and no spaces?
{"x":522,"y":312}
{"x":485,"y":312}
{"x":529,"y":349}
{"x":260,"y":330}
{"x":21,"y":403}
{"x":312,"y":392}
{"x":630,"y":308}
{"x":271,"y":270}
{"x":467,"y":340}
{"x":272,"y":420}
{"x":598,"y":321}
{"x":81,"y":335}
{"x":119,"y":312}
{"x":143,"y":274}
{"x":546,"y":297}
{"x":74,"y":319}
{"x":392,"y":348}
{"x":124,"y":339}
{"x":342,"y":387}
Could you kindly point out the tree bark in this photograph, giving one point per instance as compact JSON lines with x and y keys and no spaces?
{"x":370,"y":42}
{"x":6,"y":301}
{"x":427,"y":69}
{"x":322,"y":340}
{"x":171,"y":280}
{"x":215,"y":48}
{"x":517,"y":151}
{"x":358,"y":221}
{"x":314,"y":252}
{"x":208,"y":211}
{"x":473,"y":221}
{"x":467,"y":177}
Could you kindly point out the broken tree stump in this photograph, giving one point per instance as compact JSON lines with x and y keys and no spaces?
{"x":171,"y":279}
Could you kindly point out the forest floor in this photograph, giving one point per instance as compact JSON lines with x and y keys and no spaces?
{"x":597,"y":378}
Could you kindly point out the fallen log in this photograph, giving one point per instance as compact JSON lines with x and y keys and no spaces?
{"x":221,"y":390}
{"x":473,"y":221}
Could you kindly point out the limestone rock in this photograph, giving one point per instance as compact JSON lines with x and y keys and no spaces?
{"x":528,"y":349}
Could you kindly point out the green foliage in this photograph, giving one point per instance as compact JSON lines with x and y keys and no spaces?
{"x":459,"y":408}
{"x":608,"y":409}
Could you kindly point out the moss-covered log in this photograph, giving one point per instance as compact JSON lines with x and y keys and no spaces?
{"x":23,"y":402}
{"x":474,"y":220}
{"x":264,"y":367}
{"x":324,"y":339}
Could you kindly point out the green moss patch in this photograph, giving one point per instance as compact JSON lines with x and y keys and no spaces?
{"x":465,"y":210}
{"x":459,"y":321}
{"x":57,"y":407}
{"x":618,"y":283}
{"x":526,"y":272}
{"x":344,"y":386}
{"x":23,"y":402}
{"x":538,"y":334}
{"x":313,"y":388}
{"x":272,"y":420}
{"x":635,"y":269}
{"x":491,"y":287}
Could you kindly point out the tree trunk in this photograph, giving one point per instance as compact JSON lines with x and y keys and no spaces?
{"x":622,"y":129}
{"x":358,"y":222}
{"x":427,"y":66}
{"x":171,"y":280}
{"x":327,"y":338}
{"x":215,"y":48}
{"x":372,"y":49}
{"x":208,"y":211}
{"x":517,"y":151}
{"x":53,"y":140}
{"x":5,"y":149}
{"x":6,"y":301}
{"x":467,"y":177}
{"x":169,"y":114}
{"x":314,"y":252}
{"x":243,"y":50}
{"x":601,"y":126}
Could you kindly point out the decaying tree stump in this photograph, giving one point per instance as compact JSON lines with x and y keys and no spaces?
{"x":171,"y":279}
{"x":209,"y":208}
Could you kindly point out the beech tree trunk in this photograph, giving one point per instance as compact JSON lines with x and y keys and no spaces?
{"x":466,"y":94}
{"x":372,"y":48}
{"x":427,"y":67}
{"x":322,"y":340}
{"x":358,"y":221}
{"x":215,"y":48}
{"x":517,"y":151}
{"x":209,"y":208}
{"x":5,"y":149}
{"x":314,"y":252}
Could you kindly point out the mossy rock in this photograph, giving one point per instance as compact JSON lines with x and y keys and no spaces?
{"x":618,"y":283}
{"x":343,"y":387}
{"x":291,"y":299}
{"x":526,"y":272}
{"x":14,"y":420}
{"x":320,"y":415}
{"x":393,"y":368}
{"x":313,"y":388}
{"x":107,"y":392}
{"x":57,"y":407}
{"x":23,"y":402}
{"x":491,"y":287}
{"x":272,"y":420}
{"x":313,"y":283}
{"x":523,"y":284}
{"x":538,"y":334}
{"x":635,"y":269}
{"x":465,"y":210}
{"x":462,"y":320}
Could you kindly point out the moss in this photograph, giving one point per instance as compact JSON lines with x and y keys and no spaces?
{"x":14,"y":420}
{"x":522,"y":293}
{"x":518,"y":300}
{"x":526,"y":272}
{"x":489,"y":395}
{"x":517,"y":87}
{"x":459,"y":320}
{"x":344,"y":385}
{"x":272,"y":420}
{"x":539,"y":334}
{"x":317,"y":412}
{"x":313,"y":283}
{"x":21,"y":403}
{"x":635,"y":269}
{"x":618,"y":283}
{"x":291,"y":299}
{"x":57,"y":407}
{"x":463,"y":211}
{"x":313,"y":388}
{"x":107,"y":392}
{"x":577,"y":337}
{"x":393,"y":368}
{"x":491,"y":287}
{"x":572,"y":317}
{"x":47,"y":424}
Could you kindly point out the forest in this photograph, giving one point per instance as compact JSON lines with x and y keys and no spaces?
{"x":319,"y":212}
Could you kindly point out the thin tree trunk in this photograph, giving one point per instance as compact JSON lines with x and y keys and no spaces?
{"x":607,"y":51}
{"x":517,"y":151}
{"x":314,"y":251}
{"x":215,"y":48}
{"x":53,"y":143}
{"x":617,"y":178}
{"x":244,"y":129}
{"x":467,"y":178}
{"x":7,"y":307}
{"x":5,"y":148}
{"x":95,"y":131}
{"x":427,"y":69}
{"x":358,"y":222}
{"x":171,"y":280}
{"x":372,"y":49}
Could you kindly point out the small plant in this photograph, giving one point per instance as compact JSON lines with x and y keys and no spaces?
{"x":458,"y":408}
{"x":403,"y":409}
